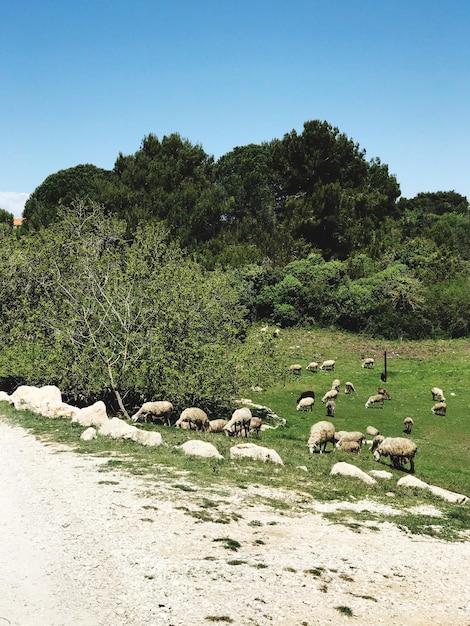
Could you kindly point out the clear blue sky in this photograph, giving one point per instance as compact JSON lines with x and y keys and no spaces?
{"x":82,"y":81}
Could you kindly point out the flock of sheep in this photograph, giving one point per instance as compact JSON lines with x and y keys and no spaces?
{"x":400,"y":450}
{"x":241,"y":422}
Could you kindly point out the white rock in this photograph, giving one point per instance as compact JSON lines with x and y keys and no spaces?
{"x":450,"y":496}
{"x":381,"y":474}
{"x":259,"y":453}
{"x":346,"y":469}
{"x":196,"y":447}
{"x":94,"y":415}
{"x":89,"y":434}
{"x":148,"y":437}
{"x":117,"y":429}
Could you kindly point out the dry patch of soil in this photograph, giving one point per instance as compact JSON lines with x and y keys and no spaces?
{"x":102,"y":549}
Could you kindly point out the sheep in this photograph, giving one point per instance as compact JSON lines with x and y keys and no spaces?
{"x":320,"y":434}
{"x":336,"y":384}
{"x":383,"y":392}
{"x":377,"y":400}
{"x":345,"y":435}
{"x":217,"y":426}
{"x":439,"y":408}
{"x":328,"y":365}
{"x":306,"y":394}
{"x":193,"y":418}
{"x":368,"y":363}
{"x":159,"y":410}
{"x":437,"y":394}
{"x":332,"y":394}
{"x":408,"y":423}
{"x":372,"y":431}
{"x":239,"y":422}
{"x":294,"y":369}
{"x":305,"y":404}
{"x":255,"y":425}
{"x":330,"y":408}
{"x":349,"y":446}
{"x":312,"y":367}
{"x":399,"y":449}
{"x":349,"y":388}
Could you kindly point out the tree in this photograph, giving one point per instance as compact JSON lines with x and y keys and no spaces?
{"x":63,"y":188}
{"x":135,"y":317}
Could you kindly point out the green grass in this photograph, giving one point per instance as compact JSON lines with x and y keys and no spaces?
{"x":443,"y":456}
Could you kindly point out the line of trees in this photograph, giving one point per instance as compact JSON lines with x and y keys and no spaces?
{"x":147,"y":278}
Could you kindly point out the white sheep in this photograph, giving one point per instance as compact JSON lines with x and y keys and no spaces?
{"x":368,"y":363}
{"x":399,"y":449}
{"x":217,"y":425}
{"x":349,"y":387}
{"x":329,"y":365}
{"x":349,"y":446}
{"x":320,"y":434}
{"x":312,"y":367}
{"x":372,"y":431}
{"x":330,"y":408}
{"x":159,"y":410}
{"x":332,"y":394}
{"x":295,"y":369}
{"x":408,"y":423}
{"x":437,"y":394}
{"x":193,"y":418}
{"x":346,"y":435}
{"x":377,"y":400}
{"x":336,"y":384}
{"x":439,"y":408}
{"x":255,"y":425}
{"x":239,"y":422}
{"x":305,"y":404}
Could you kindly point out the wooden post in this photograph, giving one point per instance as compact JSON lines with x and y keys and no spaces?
{"x":384,"y":374}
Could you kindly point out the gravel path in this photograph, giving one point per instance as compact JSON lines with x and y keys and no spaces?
{"x":80,"y":547}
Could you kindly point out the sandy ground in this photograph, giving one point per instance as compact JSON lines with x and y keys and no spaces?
{"x":80,"y":547}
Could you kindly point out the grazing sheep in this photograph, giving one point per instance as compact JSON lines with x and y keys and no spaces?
{"x":306,"y":394}
{"x":399,"y":449}
{"x":239,"y":422}
{"x":372,"y":431}
{"x":332,"y":394}
{"x":437,"y":394}
{"x":377,"y":400}
{"x":305,"y":404}
{"x":295,"y":369}
{"x":346,"y":435}
{"x":349,"y":446}
{"x":330,"y":408}
{"x":328,"y":365}
{"x":193,"y":418}
{"x":336,"y":384}
{"x":383,"y":392}
{"x":349,"y":388}
{"x":408,"y":422}
{"x":320,"y":434}
{"x":255,"y":425}
{"x":217,"y":426}
{"x":159,"y":410}
{"x":368,"y":363}
{"x":439,"y":408}
{"x":312,"y":367}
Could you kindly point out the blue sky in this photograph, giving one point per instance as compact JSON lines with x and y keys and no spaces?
{"x":82,"y":81}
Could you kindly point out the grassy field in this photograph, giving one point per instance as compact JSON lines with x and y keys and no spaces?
{"x":443,"y":456}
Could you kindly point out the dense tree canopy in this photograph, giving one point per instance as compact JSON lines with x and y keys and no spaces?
{"x":314,"y":232}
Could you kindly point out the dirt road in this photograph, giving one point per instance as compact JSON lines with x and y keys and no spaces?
{"x":82,"y":547}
